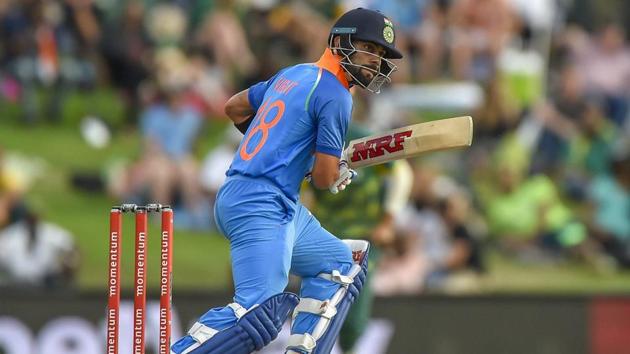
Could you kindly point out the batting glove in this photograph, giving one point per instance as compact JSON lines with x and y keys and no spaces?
{"x":346,"y":175}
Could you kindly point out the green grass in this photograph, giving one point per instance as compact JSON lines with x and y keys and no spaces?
{"x":507,"y":276}
{"x":201,"y":259}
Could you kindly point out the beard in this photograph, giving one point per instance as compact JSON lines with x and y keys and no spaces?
{"x":358,"y":73}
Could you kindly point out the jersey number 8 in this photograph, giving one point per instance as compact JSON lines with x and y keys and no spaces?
{"x":262,"y":127}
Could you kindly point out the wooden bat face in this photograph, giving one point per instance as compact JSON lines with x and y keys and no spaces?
{"x":409,"y":141}
{"x":373,"y":148}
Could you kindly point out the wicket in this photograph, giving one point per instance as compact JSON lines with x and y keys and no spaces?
{"x":139,"y":294}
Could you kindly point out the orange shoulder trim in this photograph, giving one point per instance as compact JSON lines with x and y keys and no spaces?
{"x":330,"y":62}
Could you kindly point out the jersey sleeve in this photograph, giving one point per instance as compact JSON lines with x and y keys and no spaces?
{"x":333,"y":117}
{"x":256,"y":92}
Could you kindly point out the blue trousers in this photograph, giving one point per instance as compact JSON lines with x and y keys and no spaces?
{"x":270,"y":236}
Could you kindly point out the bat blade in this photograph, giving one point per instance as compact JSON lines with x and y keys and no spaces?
{"x":410,"y":141}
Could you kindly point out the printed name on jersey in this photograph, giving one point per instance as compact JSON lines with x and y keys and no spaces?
{"x":283,"y":85}
{"x":377,"y":147}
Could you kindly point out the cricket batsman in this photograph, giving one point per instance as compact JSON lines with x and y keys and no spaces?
{"x":294,"y":124}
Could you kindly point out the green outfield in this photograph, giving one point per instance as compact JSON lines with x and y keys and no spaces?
{"x":201,"y":259}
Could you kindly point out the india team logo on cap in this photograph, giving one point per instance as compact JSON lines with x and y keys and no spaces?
{"x":388,"y":31}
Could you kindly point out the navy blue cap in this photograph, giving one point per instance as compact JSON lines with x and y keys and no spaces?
{"x":368,"y":25}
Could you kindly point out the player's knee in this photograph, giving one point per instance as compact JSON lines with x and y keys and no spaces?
{"x":254,"y":299}
{"x":343,"y":257}
{"x":250,"y":297}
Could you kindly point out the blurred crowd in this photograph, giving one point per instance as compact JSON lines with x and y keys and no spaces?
{"x":34,"y":253}
{"x":547,"y":83}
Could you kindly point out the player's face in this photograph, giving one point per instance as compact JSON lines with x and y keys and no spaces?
{"x":369,"y":55}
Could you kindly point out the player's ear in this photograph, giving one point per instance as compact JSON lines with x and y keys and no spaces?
{"x":336,"y":43}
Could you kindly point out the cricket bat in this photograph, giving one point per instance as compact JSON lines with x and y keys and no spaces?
{"x":409,"y":141}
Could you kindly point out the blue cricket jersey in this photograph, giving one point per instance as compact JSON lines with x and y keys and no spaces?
{"x":303,"y":109}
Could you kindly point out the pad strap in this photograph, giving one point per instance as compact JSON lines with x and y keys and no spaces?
{"x":239,"y":310}
{"x":336,"y":277}
{"x":201,"y":333}
{"x":322,"y":308}
{"x":302,"y":342}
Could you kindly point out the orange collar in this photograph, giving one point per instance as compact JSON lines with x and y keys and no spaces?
{"x":330,"y":62}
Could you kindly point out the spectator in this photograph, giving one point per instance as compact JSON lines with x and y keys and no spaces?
{"x":32,"y":37}
{"x":79,"y":53}
{"x":576,"y":139}
{"x":433,"y":38}
{"x":166,"y":171}
{"x":610,"y":198}
{"x":83,"y":20}
{"x":127,"y":53}
{"x":560,"y":117}
{"x":522,"y":70}
{"x":169,"y":128}
{"x":436,"y":252}
{"x":276,"y":35}
{"x":605,"y":64}
{"x":222,"y":35}
{"x":480,"y":30}
{"x":459,"y":270}
{"x":46,"y":44}
{"x":528,"y":219}
{"x":37,"y":254}
{"x":12,"y":207}
{"x":211,"y":85}
{"x":166,"y":25}
{"x":592,"y":149}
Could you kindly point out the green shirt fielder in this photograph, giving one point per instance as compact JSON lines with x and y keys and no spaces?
{"x":378,"y":193}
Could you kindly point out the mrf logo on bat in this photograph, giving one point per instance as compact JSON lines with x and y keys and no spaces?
{"x":377,"y":147}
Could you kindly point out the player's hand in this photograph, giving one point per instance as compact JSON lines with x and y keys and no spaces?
{"x":346,"y":175}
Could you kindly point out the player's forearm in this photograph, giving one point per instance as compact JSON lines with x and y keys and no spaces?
{"x":238,"y":108}
{"x":325,"y":170}
{"x":324,"y":179}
